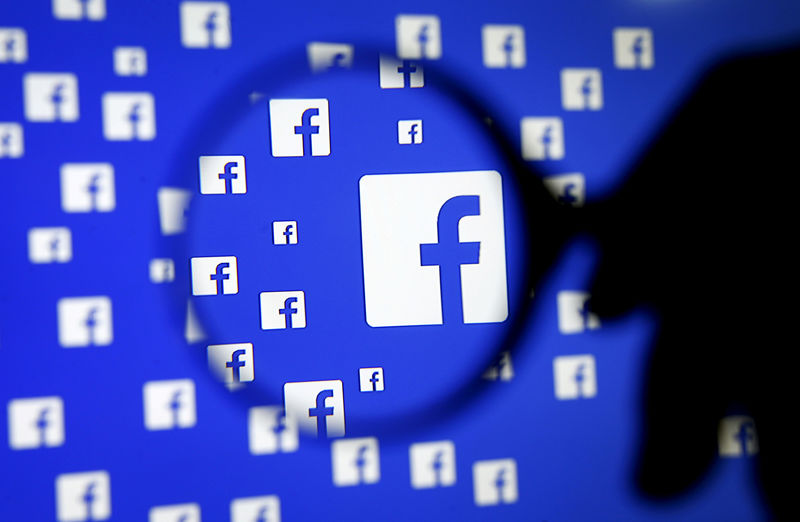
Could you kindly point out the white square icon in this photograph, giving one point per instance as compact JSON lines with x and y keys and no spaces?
{"x":355,"y":461}
{"x":83,"y":496}
{"x":50,"y":245}
{"x":13,"y":45}
{"x":503,"y":46}
{"x":542,"y":138}
{"x":270,"y":431}
{"x":398,"y":74}
{"x":418,"y":36}
{"x":567,"y":189}
{"x":574,"y":377}
{"x":129,"y":116}
{"x":79,"y":9}
{"x":281,"y":310}
{"x":232,"y":363}
{"x":214,"y":275}
{"x":370,"y":379}
{"x":574,"y":312}
{"x":162,"y":270}
{"x":317,"y":407}
{"x":169,"y":404}
{"x":51,"y":96}
{"x":409,"y":132}
{"x":37,"y":422}
{"x":222,"y":175}
{"x":173,"y":207}
{"x":84,"y":321}
{"x":737,"y":436}
{"x":130,"y":61}
{"x":501,"y":370}
{"x":323,"y":56}
{"x":205,"y":24}
{"x":299,"y":127}
{"x":87,"y":187}
{"x":175,"y":513}
{"x":633,"y":48}
{"x":284,"y":232}
{"x":433,"y":248}
{"x":581,"y":89}
{"x":495,"y":482}
{"x":433,"y":464}
{"x":250,"y":509}
{"x":12,"y":144}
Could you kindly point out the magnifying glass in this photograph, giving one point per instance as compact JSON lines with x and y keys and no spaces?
{"x":359,"y":243}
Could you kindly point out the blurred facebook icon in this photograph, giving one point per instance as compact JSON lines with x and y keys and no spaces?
{"x":222,"y":175}
{"x":633,"y":48}
{"x":13,"y":45}
{"x":433,"y":464}
{"x":214,"y":275}
{"x":162,"y":270}
{"x":299,"y":127}
{"x":231,"y":363}
{"x":87,"y":187}
{"x":205,"y":25}
{"x":398,"y":74}
{"x":495,"y":482}
{"x":12,"y":144}
{"x":256,"y":509}
{"x":503,"y":46}
{"x":418,"y":36}
{"x":36,"y":422}
{"x":283,"y":310}
{"x":501,"y":370}
{"x":567,"y":189}
{"x":574,"y":377}
{"x":737,"y":436}
{"x":542,"y":138}
{"x":51,"y":96}
{"x":316,"y":407}
{"x":130,"y":61}
{"x":433,"y":248}
{"x":169,"y":404}
{"x":129,"y":116}
{"x":84,"y":321}
{"x":323,"y":56}
{"x":581,"y":89}
{"x":575,"y":312}
{"x":175,"y":513}
{"x":173,"y":207}
{"x":49,"y":245}
{"x":355,"y":461}
{"x":271,"y":431}
{"x":79,"y":9}
{"x":83,"y":496}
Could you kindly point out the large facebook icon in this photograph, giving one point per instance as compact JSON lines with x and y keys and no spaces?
{"x":216,"y":275}
{"x":433,"y":248}
{"x":316,"y":407}
{"x":299,"y":127}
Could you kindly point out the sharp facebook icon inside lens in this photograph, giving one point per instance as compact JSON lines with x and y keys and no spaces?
{"x":347,"y":252}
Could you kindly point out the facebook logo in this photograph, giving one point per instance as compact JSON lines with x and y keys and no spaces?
{"x":129,"y":116}
{"x":581,"y":89}
{"x":271,"y":431}
{"x":175,"y":513}
{"x":79,"y":9}
{"x":84,"y":321}
{"x":355,"y":461}
{"x":284,"y":232}
{"x":256,"y":509}
{"x":542,"y":138}
{"x":433,"y":464}
{"x":37,"y":422}
{"x":51,"y":96}
{"x":11,"y":141}
{"x":299,"y":127}
{"x":222,"y":175}
{"x":503,"y":46}
{"x":737,"y":437}
{"x":83,"y":496}
{"x":409,"y":132}
{"x":87,"y":187}
{"x":214,"y":275}
{"x":169,"y":404}
{"x":205,"y":24}
{"x":494,"y":482}
{"x":633,"y":48}
{"x":173,"y":207}
{"x":13,"y":45}
{"x":398,"y":74}
{"x":370,"y":379}
{"x":574,"y":377}
{"x":130,"y":61}
{"x":49,"y":245}
{"x":323,"y":56}
{"x":567,"y":189}
{"x":232,"y":363}
{"x":501,"y":370}
{"x":418,"y":36}
{"x":575,"y":312}
{"x":433,"y":248}
{"x":316,"y":407}
{"x":162,"y":270}
{"x":280,"y":310}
